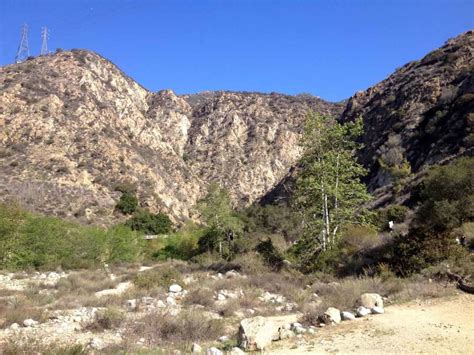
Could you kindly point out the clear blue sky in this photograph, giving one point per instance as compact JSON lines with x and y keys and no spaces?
{"x":327,"y":48}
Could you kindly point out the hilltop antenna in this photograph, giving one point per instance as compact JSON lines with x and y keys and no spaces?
{"x":44,"y":41}
{"x":23,"y":49}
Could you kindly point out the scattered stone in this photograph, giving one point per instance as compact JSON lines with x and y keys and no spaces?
{"x":362,"y":311}
{"x":131,"y":305}
{"x":214,"y":351}
{"x":223,"y":338}
{"x":311,"y":331}
{"x":237,"y":351}
{"x":332,"y":315}
{"x":30,"y":323}
{"x":170,"y":301}
{"x":347,"y":316}
{"x":285,"y":334}
{"x":175,"y":288}
{"x":96,"y":344}
{"x":196,"y":348}
{"x":371,"y":300}
{"x":14,"y":326}
{"x":377,"y":310}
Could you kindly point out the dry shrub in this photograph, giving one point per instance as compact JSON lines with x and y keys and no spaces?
{"x":111,"y":318}
{"x":185,"y":328}
{"x":35,"y":346}
{"x":20,"y":308}
{"x":201,"y":296}
{"x":158,"y":277}
{"x":85,"y":282}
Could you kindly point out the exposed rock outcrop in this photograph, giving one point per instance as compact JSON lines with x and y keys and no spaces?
{"x":74,"y":129}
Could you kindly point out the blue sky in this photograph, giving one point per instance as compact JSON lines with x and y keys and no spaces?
{"x":326,"y":48}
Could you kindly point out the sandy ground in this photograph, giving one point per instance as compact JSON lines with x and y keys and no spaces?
{"x":441,"y":326}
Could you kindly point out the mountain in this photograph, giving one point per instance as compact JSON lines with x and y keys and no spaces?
{"x":422,"y":114}
{"x":74,"y":130}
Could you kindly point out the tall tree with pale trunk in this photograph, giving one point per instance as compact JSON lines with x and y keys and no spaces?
{"x":329,"y":193}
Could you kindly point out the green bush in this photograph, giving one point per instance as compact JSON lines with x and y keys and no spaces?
{"x":150,"y":223}
{"x":447,"y":202}
{"x":128,"y":203}
{"x":180,"y":245}
{"x":29,"y":240}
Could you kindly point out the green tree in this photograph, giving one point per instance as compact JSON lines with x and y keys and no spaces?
{"x":128,"y":203}
{"x":149,"y":223}
{"x":329,"y":193}
{"x":224,"y":225}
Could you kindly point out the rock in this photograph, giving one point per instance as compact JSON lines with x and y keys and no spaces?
{"x":286,"y":334}
{"x":196,"y":348}
{"x":131,"y":305}
{"x":295,"y":325}
{"x":29,"y":323}
{"x":377,"y":310}
{"x":175,"y":288}
{"x":14,"y":326}
{"x":176,"y":352}
{"x":237,"y":351}
{"x":170,"y":301}
{"x":257,"y":333}
{"x":371,"y":300}
{"x":223,"y":338}
{"x":347,"y":316}
{"x":332,"y":315}
{"x":221,"y":297}
{"x":300,"y":330}
{"x":214,"y":351}
{"x":362,"y":311}
{"x":96,"y":344}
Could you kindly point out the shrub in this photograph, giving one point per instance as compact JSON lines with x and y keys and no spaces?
{"x":30,"y":240}
{"x":110,"y":318}
{"x":186,"y":328}
{"x":158,"y":277}
{"x":396,"y":213}
{"x":150,"y":223}
{"x":128,"y":203}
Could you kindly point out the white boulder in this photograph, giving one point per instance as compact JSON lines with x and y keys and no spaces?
{"x":257,"y":333}
{"x":362,"y":311}
{"x":347,"y":316}
{"x":371,"y":300}
{"x":332,"y":315}
{"x":29,"y":322}
{"x":377,"y":310}
{"x":175,"y":288}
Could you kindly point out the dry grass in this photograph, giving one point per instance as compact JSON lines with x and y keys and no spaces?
{"x":35,"y":346}
{"x":17,"y":309}
{"x":184,"y":329}
{"x":111,"y":318}
{"x":200,"y":296}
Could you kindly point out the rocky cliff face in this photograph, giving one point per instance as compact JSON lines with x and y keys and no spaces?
{"x":422,"y":114}
{"x":74,"y":129}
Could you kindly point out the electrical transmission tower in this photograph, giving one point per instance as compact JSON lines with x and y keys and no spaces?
{"x":23,"y":50}
{"x":44,"y":41}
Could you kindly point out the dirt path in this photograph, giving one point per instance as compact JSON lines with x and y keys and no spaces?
{"x":442,"y":326}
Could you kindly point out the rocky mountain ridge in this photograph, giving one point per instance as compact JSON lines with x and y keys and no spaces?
{"x":75,"y":130}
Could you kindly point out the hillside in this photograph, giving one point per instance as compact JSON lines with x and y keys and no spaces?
{"x":423,"y":112}
{"x":75,"y":129}
{"x":421,"y":115}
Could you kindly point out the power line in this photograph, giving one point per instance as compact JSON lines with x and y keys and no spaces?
{"x":44,"y":41}
{"x":23,"y":50}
